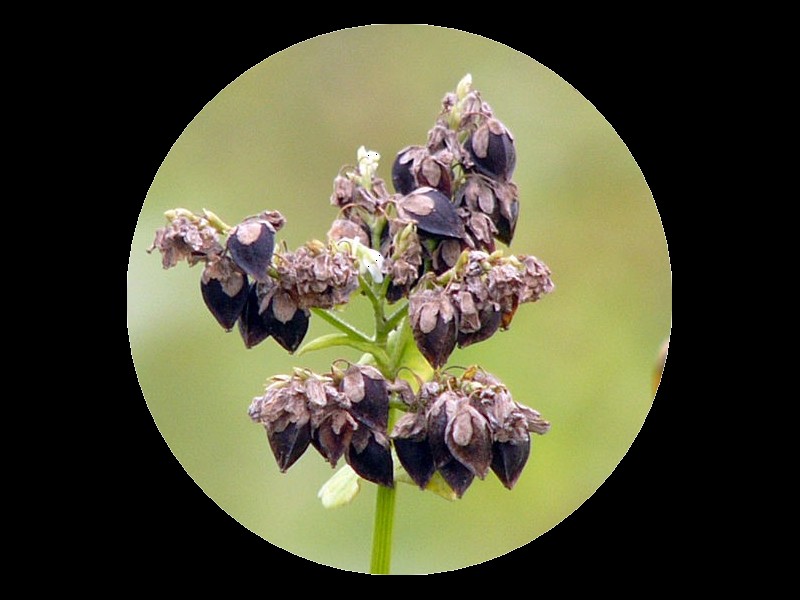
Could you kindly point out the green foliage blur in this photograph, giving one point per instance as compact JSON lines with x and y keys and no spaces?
{"x":583,"y":356}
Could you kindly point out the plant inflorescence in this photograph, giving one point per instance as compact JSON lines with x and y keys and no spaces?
{"x":426,"y":258}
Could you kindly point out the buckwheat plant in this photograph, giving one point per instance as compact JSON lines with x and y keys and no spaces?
{"x":426,"y":258}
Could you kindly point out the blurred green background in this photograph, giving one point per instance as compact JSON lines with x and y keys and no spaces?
{"x":583,"y":356}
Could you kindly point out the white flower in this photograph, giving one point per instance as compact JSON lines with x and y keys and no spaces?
{"x":367,"y":163}
{"x":369,"y":260}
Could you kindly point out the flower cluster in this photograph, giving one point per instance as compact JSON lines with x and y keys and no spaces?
{"x":344,"y":413}
{"x":462,"y":428}
{"x":431,"y":242}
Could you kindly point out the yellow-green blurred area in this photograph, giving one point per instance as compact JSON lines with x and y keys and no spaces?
{"x":583,"y":356}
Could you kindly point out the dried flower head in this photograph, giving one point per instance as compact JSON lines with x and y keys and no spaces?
{"x":515,"y":280}
{"x":188,"y":237}
{"x":404,"y":265}
{"x":317,"y":275}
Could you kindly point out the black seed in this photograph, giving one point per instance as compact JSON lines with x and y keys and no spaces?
{"x":505,"y":226}
{"x":290,"y":334}
{"x":416,"y":458}
{"x":253,"y":326}
{"x":457,"y":476}
{"x":288,"y":445}
{"x":226,"y":309}
{"x":433,"y":212}
{"x":508,"y":460}
{"x":330,"y":444}
{"x":402,"y":178}
{"x":250,"y":245}
{"x":437,"y":345}
{"x":373,"y":408}
{"x":373,"y":463}
{"x":437,"y":425}
{"x":500,"y":156}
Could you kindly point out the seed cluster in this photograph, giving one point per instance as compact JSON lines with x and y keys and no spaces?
{"x":344,"y":413}
{"x":464,"y":427}
{"x":431,"y":242}
{"x":267,"y":292}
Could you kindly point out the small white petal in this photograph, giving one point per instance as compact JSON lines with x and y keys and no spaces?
{"x":340,"y":489}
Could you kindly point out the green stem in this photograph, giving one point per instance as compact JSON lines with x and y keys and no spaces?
{"x":341,"y":325}
{"x":382,"y":531}
{"x":385,"y":499}
{"x":396,"y":318}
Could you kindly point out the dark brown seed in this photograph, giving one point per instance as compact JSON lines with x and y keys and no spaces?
{"x":434,"y":325}
{"x":373,"y":462}
{"x":457,"y":476}
{"x":288,"y":445}
{"x":433,"y":212}
{"x":491,"y":148}
{"x":333,"y":435}
{"x":436,"y":426}
{"x":508,"y":460}
{"x":469,"y":440}
{"x":291,"y":333}
{"x":403,"y":178}
{"x":438,"y":344}
{"x":253,"y":325}
{"x":506,"y":224}
{"x":250,"y":244}
{"x":370,"y":402}
{"x":225,"y":308}
{"x":416,"y":458}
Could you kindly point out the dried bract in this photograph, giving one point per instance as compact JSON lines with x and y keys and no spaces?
{"x":347,"y":229}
